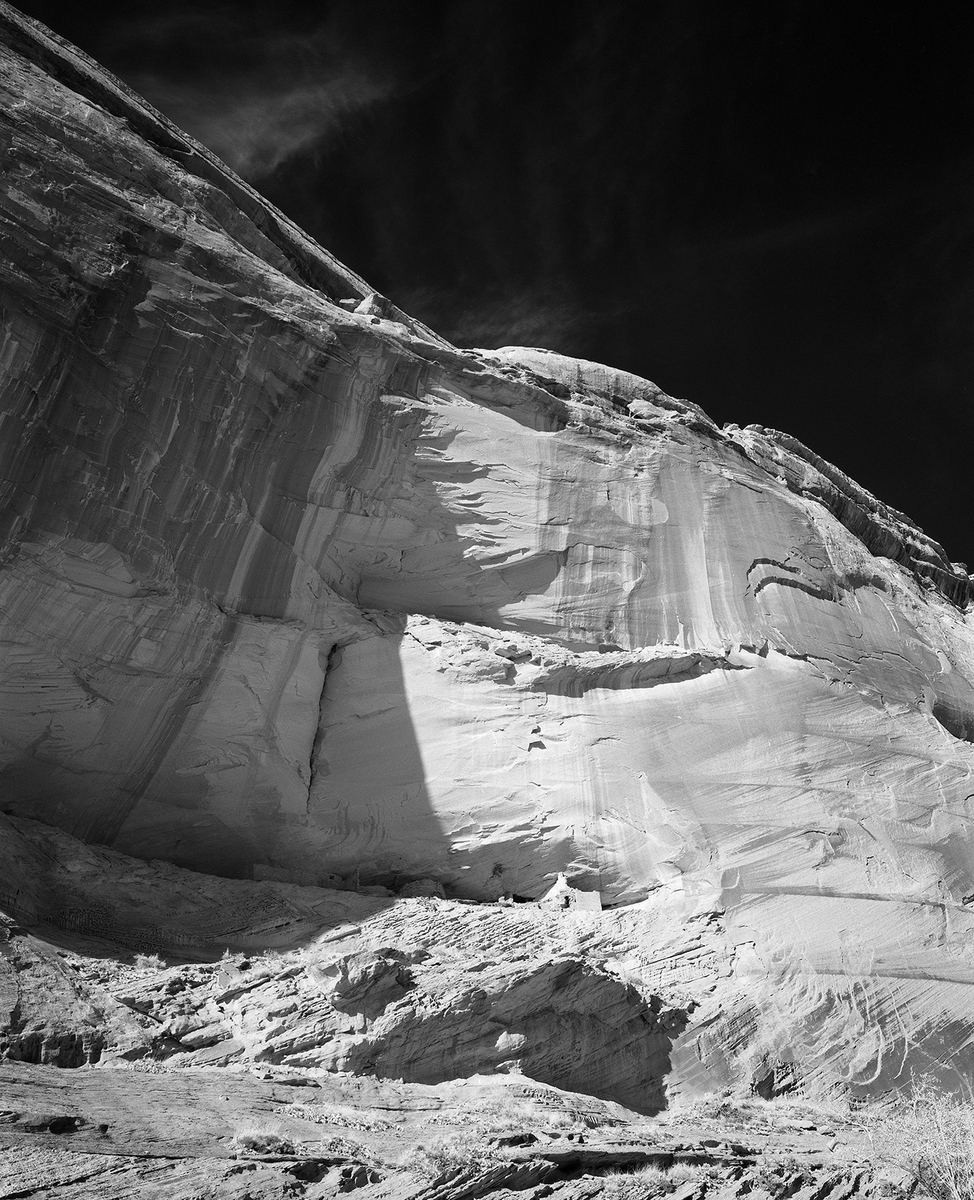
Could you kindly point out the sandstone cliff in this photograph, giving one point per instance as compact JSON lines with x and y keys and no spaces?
{"x":293,"y":590}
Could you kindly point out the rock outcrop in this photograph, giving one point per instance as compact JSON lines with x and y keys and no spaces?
{"x":419,"y":1048}
{"x":294,"y":593}
{"x":104,"y":1136}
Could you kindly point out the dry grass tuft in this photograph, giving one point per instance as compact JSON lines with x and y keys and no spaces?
{"x":649,"y":1181}
{"x":449,"y":1155}
{"x":929,"y":1136}
{"x":149,"y":962}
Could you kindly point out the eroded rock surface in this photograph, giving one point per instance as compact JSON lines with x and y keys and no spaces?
{"x":111,"y":1134}
{"x":294,"y":593}
{"x":311,"y":1042}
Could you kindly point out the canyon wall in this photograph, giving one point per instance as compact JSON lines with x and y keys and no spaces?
{"x":291,"y":588}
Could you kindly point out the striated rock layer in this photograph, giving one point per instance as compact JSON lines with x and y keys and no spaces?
{"x":292,"y":589}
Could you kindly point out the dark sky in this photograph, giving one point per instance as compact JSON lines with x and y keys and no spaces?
{"x":765,"y":207}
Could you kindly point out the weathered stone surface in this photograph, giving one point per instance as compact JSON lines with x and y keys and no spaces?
{"x":637,"y":1004}
{"x":227,"y":1073}
{"x":195,"y":1134}
{"x":290,"y":589}
{"x":425,"y":990}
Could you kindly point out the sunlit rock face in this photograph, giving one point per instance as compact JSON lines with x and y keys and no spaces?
{"x":291,"y":586}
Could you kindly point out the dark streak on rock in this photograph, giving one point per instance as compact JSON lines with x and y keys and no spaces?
{"x":332,"y":663}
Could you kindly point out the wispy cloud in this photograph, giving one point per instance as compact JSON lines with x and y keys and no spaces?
{"x":256,"y":127}
{"x":255,"y":93}
{"x":548,"y":316}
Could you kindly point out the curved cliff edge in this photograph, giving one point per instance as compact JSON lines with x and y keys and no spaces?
{"x":296,"y":594}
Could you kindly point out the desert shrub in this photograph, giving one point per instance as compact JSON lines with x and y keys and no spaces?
{"x":345,"y":1147}
{"x":263,"y":1143}
{"x":930,"y":1136}
{"x":449,"y":1155}
{"x":649,"y":1180}
{"x":645,"y":1180}
{"x":149,"y":962}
